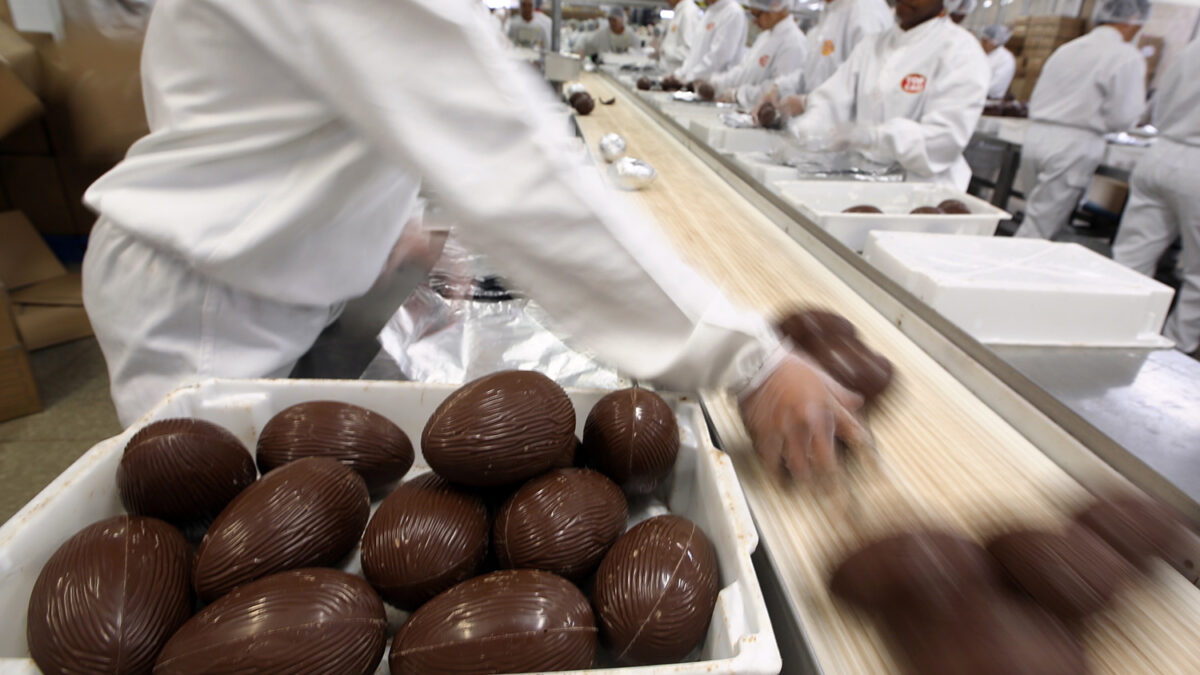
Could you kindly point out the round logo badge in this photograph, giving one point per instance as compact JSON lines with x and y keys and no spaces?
{"x":764,"y":60}
{"x":710,"y":26}
{"x":913,"y":83}
{"x":827,"y":48}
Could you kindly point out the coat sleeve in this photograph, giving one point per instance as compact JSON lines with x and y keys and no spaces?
{"x":832,"y":103}
{"x":599,"y":266}
{"x":1125,"y":94}
{"x":1002,"y":77}
{"x":725,"y":45}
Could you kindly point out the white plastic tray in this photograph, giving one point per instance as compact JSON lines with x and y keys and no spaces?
{"x":1026,"y":291}
{"x":765,"y":170}
{"x":824,"y":201}
{"x":726,"y":139}
{"x":703,"y":488}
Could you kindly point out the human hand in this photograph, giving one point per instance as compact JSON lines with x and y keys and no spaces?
{"x":851,"y":137}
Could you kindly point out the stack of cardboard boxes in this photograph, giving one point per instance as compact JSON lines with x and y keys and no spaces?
{"x":1037,"y":38}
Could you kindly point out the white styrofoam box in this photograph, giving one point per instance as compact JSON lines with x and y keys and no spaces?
{"x":726,"y":139}
{"x":702,"y":488}
{"x":765,"y":170}
{"x":824,"y":201}
{"x":1026,"y":291}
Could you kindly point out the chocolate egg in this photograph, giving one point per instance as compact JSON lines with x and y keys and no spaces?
{"x":1139,"y":529}
{"x":811,"y":326}
{"x":1072,"y":574}
{"x":361,"y":439}
{"x":953,"y":206}
{"x":425,"y":537}
{"x":183,"y":471}
{"x":853,"y":365}
{"x":301,"y":621}
{"x":632,"y":437}
{"x":584,"y":104}
{"x":511,"y":621}
{"x":705,"y":91}
{"x":928,"y":571}
{"x":670,"y":83}
{"x":655,"y":591}
{"x":995,"y":635}
{"x":562,"y":522}
{"x":499,"y":429}
{"x":926,"y":210}
{"x":768,"y":116}
{"x":110,"y":597}
{"x":645,"y":83}
{"x":307,"y":513}
{"x":862,"y":208}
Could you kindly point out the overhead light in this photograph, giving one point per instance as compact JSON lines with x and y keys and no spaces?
{"x":666,"y":14}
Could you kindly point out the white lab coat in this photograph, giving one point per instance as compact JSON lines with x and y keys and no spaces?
{"x":285,"y":155}
{"x":843,"y":24}
{"x":1090,"y":86}
{"x":722,"y":41}
{"x":604,"y":41}
{"x":780,"y":50}
{"x":534,"y":34}
{"x":683,"y":33}
{"x":918,"y":94}
{"x":1163,"y":202}
{"x":1004,"y":66}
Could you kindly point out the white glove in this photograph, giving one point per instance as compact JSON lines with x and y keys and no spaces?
{"x":852,"y":137}
{"x":796,"y":415}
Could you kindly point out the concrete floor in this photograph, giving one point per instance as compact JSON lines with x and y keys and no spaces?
{"x":77,"y":413}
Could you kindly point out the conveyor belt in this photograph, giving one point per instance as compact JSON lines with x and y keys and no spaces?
{"x":945,"y":456}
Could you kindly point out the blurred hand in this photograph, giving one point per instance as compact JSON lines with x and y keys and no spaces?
{"x":772,"y":97}
{"x":851,"y":137}
{"x":727,"y":96}
{"x":796,"y":416}
{"x":794,"y":106}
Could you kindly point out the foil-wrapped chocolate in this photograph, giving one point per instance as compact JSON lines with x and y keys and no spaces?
{"x":612,"y":147}
{"x":629,"y":173}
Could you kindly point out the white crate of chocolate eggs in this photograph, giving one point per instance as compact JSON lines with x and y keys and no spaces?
{"x":505,"y":526}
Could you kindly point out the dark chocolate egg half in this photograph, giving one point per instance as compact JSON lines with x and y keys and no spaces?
{"x":1071,"y":574}
{"x":360,"y":438}
{"x":183,"y":471}
{"x":927,"y":571}
{"x":645,"y":83}
{"x":110,"y":597}
{"x":862,"y":208}
{"x":632,"y":437}
{"x":424,"y":538}
{"x":854,"y":365}
{"x":1139,"y":529}
{"x":926,"y":210}
{"x":301,"y":621}
{"x":953,"y":206}
{"x":705,"y":91}
{"x":562,"y":522}
{"x":655,"y":591}
{"x":584,"y":104}
{"x":500,"y":429}
{"x":768,"y":116}
{"x":307,"y":513}
{"x":808,"y":327}
{"x":510,"y":621}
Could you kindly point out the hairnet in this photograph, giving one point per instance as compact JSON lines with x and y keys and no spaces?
{"x":1121,"y":11}
{"x":771,"y":5}
{"x":616,"y":13}
{"x":997,"y":34}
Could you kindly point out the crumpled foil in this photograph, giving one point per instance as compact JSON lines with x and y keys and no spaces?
{"x":462,"y":324}
{"x":836,"y":165}
{"x":686,"y":96}
{"x":612,"y":147}
{"x":574,"y":88}
{"x":737,"y":120}
{"x":629,"y":173}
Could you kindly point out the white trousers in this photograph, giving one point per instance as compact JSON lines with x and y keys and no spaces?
{"x":1164,"y":203}
{"x":162,"y":326}
{"x":1057,"y":163}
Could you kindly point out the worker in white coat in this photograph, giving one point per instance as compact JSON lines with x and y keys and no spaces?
{"x":910,"y":95}
{"x":722,"y":42}
{"x":1164,"y":199}
{"x":1089,"y":87}
{"x":683,"y":34}
{"x":530,"y":28}
{"x":284,"y":158}
{"x":779,"y":48}
{"x":613,"y":38}
{"x":1000,"y":60}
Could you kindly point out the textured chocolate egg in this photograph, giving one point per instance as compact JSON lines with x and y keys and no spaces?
{"x":862,"y":208}
{"x":853,"y":365}
{"x":307,"y":513}
{"x":953,"y":206}
{"x":632,"y":437}
{"x":110,"y":597}
{"x":500,"y":429}
{"x":928,"y":571}
{"x":655,"y":591}
{"x":424,"y":538}
{"x":362,"y":439}
{"x":562,"y":522}
{"x":1139,"y":529}
{"x":183,"y":471}
{"x":768,"y":116}
{"x":996,"y":635}
{"x":511,"y":621}
{"x":1071,"y":574}
{"x":301,"y":621}
{"x":812,"y":326}
{"x":926,"y":210}
{"x":584,"y":104}
{"x":705,"y":91}
{"x":670,"y":83}
{"x":645,"y":83}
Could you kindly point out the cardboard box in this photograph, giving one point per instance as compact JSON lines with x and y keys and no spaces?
{"x":18,"y":105}
{"x":1108,"y":193}
{"x":34,"y":185}
{"x":18,"y":390}
{"x":21,"y":57}
{"x":47,"y":301}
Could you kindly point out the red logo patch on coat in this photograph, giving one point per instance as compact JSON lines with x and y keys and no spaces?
{"x":827,"y":48}
{"x":764,"y":60}
{"x":913,"y":83}
{"x":710,"y":26}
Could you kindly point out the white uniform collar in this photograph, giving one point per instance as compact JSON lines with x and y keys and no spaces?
{"x":901,"y":37}
{"x":1109,"y":33}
